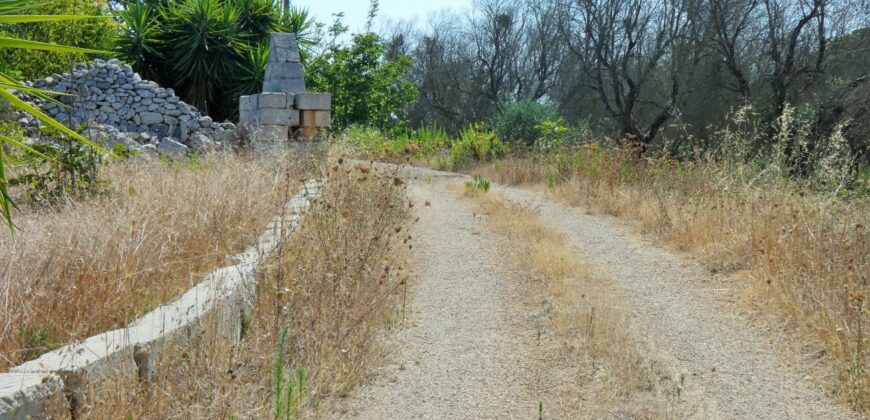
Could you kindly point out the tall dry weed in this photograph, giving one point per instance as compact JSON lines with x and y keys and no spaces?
{"x":90,"y":265}
{"x":806,"y":250}
{"x":323,"y":302}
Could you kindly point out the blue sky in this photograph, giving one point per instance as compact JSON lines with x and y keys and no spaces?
{"x":355,"y":10}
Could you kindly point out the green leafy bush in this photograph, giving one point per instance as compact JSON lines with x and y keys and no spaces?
{"x":367,"y":88}
{"x":520,"y":122}
{"x":60,"y":169}
{"x":476,"y":144}
{"x":95,"y":34}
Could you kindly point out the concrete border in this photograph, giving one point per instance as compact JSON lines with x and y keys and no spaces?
{"x":225,"y":297}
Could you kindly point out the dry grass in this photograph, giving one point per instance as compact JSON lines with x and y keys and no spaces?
{"x":514,"y":171}
{"x":328,"y":297}
{"x":590,"y":365}
{"x":806,"y":252}
{"x":91,"y":265}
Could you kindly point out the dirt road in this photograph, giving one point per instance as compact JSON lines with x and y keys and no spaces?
{"x":463,"y":353}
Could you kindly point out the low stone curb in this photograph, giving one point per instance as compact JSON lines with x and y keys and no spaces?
{"x":224,"y":300}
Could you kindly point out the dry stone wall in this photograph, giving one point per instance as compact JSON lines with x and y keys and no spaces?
{"x":52,"y":385}
{"x":120,"y":107}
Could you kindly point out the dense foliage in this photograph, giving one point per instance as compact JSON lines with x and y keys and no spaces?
{"x":96,"y":34}
{"x":366,"y":86}
{"x":665,"y":76}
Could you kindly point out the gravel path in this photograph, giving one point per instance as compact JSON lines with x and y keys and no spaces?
{"x":462,"y":354}
{"x":733,"y":371}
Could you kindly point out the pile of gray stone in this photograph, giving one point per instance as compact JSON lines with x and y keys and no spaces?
{"x":121,"y":108}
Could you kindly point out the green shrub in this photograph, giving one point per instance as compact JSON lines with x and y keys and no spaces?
{"x":478,"y":183}
{"x":64,"y":168}
{"x":476,"y":144}
{"x":367,"y":88}
{"x":554,"y":137}
{"x":95,"y":34}
{"x":520,"y":122}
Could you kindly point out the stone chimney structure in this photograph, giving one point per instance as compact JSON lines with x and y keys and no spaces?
{"x":284,"y":112}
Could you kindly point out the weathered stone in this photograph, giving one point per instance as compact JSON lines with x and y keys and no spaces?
{"x":283,"y":71}
{"x":202,"y":143}
{"x":273,"y":100}
{"x":248,"y":103}
{"x":314,"y":101}
{"x":171,"y":147}
{"x":31,"y":396}
{"x":149,"y":118}
{"x":270,"y":133}
{"x":274,"y":116}
{"x":247,"y":116}
{"x":310,"y":118}
{"x":284,"y":85}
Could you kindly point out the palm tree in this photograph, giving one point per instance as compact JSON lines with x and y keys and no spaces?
{"x":10,"y":13}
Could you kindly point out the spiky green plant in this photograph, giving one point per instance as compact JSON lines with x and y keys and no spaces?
{"x":10,"y":13}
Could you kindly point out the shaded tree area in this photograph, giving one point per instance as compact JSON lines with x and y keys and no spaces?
{"x":664,"y":74}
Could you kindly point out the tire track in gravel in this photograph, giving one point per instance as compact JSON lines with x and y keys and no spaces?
{"x":463,"y":354}
{"x":469,"y":342}
{"x":733,"y":369}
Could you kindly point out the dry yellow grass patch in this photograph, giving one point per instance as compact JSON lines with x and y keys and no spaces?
{"x":323,"y":303}
{"x":94,"y":264}
{"x":806,"y":253}
{"x":589,"y":365}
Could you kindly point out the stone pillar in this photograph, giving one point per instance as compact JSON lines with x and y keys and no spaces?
{"x":284,"y":68}
{"x":284,"y":111}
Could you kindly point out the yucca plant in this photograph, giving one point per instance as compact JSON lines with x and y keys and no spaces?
{"x":139,"y":43}
{"x":10,"y":13}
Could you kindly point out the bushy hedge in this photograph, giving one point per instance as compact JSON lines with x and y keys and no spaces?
{"x":94,"y":34}
{"x":521,"y":122}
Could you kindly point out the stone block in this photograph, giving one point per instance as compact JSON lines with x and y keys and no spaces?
{"x":283,"y":71}
{"x":248,"y":103}
{"x":273,"y":100}
{"x":274,"y":116}
{"x":171,"y":147}
{"x":284,"y":85}
{"x":31,"y":396}
{"x":270,"y":133}
{"x":310,"y":118}
{"x":283,"y":40}
{"x":284,"y":56}
{"x":247,"y":117}
{"x":149,"y":118}
{"x":314,"y":101}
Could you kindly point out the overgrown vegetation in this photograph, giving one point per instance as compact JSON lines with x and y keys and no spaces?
{"x":322,"y":303}
{"x":799,"y":246}
{"x":366,"y":86}
{"x":84,"y":266}
{"x":10,"y":14}
{"x":97,"y":34}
